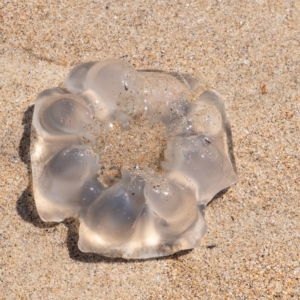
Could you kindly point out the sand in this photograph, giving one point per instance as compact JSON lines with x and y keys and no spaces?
{"x":250,"y":53}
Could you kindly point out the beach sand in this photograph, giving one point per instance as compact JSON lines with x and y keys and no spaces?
{"x":250,"y":53}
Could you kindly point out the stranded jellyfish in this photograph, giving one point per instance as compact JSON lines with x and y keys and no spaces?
{"x":135,"y":155}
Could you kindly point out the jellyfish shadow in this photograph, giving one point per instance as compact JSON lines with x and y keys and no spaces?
{"x":27,"y":210}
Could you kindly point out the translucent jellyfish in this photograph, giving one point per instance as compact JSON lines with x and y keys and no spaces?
{"x":135,"y":155}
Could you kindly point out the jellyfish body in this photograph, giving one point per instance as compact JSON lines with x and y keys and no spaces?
{"x":126,"y":209}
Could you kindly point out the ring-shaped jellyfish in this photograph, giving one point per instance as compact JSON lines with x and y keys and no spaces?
{"x":135,"y":155}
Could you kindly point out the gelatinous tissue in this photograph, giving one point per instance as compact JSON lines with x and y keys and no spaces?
{"x":135,"y":155}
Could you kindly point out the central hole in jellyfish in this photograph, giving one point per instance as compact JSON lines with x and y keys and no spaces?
{"x":131,"y":114}
{"x":138,"y":148}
